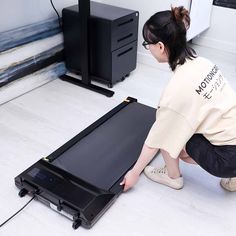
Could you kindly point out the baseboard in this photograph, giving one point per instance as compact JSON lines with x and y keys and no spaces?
{"x":214,"y":43}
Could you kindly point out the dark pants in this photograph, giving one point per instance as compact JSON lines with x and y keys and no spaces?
{"x":219,"y":161}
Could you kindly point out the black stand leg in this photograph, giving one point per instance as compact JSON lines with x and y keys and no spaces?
{"x":90,"y":86}
{"x":85,"y":82}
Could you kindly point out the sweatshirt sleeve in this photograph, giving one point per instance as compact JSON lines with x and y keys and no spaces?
{"x":170,"y":132}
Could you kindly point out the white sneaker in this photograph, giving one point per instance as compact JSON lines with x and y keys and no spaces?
{"x":229,"y":184}
{"x":161,"y":176}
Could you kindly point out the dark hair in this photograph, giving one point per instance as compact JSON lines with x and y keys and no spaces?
{"x":170,"y":28}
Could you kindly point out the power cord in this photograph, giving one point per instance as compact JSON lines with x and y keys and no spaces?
{"x":18,"y":211}
{"x":58,"y":16}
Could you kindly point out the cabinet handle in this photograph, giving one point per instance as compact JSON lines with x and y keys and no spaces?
{"x":125,"y":37}
{"x":126,"y":22}
{"x":122,"y":53}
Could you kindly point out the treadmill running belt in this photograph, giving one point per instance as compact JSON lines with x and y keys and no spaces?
{"x":105,"y":154}
{"x":80,"y":179}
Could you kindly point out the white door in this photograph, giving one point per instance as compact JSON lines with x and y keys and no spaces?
{"x":200,"y":14}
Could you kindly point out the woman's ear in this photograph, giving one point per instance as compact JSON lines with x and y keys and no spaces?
{"x":161,"y":46}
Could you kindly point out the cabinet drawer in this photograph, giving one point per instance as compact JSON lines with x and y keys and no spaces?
{"x":124,"y":61}
{"x":124,"y":30}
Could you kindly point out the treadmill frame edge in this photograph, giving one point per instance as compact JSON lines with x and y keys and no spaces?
{"x":22,"y":181}
{"x":89,"y":129}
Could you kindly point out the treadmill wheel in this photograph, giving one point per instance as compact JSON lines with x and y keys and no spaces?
{"x":76,"y":224}
{"x":110,"y":85}
{"x":23,"y":192}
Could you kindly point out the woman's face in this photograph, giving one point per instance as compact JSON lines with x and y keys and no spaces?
{"x":159,"y":52}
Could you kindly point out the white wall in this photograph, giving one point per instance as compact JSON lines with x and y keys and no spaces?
{"x":200,"y":15}
{"x":222,"y":32}
{"x":146,"y":9}
{"x":220,"y":35}
{"x":17,"y":13}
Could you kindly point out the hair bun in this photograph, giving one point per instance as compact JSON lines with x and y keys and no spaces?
{"x":181,"y":14}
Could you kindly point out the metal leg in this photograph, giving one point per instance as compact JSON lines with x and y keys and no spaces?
{"x":91,"y":87}
{"x":85,"y":82}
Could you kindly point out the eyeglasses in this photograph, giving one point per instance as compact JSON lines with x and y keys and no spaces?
{"x":146,"y":45}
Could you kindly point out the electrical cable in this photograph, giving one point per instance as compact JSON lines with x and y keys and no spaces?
{"x":58,"y":16}
{"x":17,"y":211}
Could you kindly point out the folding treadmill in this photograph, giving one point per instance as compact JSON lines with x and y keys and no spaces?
{"x":82,"y":178}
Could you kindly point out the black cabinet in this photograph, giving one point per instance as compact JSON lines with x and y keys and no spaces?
{"x":225,"y":3}
{"x":113,"y":35}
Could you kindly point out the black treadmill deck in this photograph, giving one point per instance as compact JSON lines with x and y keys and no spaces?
{"x":81,"y":179}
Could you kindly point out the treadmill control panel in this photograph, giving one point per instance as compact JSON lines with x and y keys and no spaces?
{"x":65,"y":188}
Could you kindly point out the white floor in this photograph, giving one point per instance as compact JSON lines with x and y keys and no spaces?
{"x":37,"y":123}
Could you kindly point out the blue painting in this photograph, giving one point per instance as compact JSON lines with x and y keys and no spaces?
{"x":27,"y":46}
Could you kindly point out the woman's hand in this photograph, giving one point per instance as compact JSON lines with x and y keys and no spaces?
{"x":130,"y":179}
